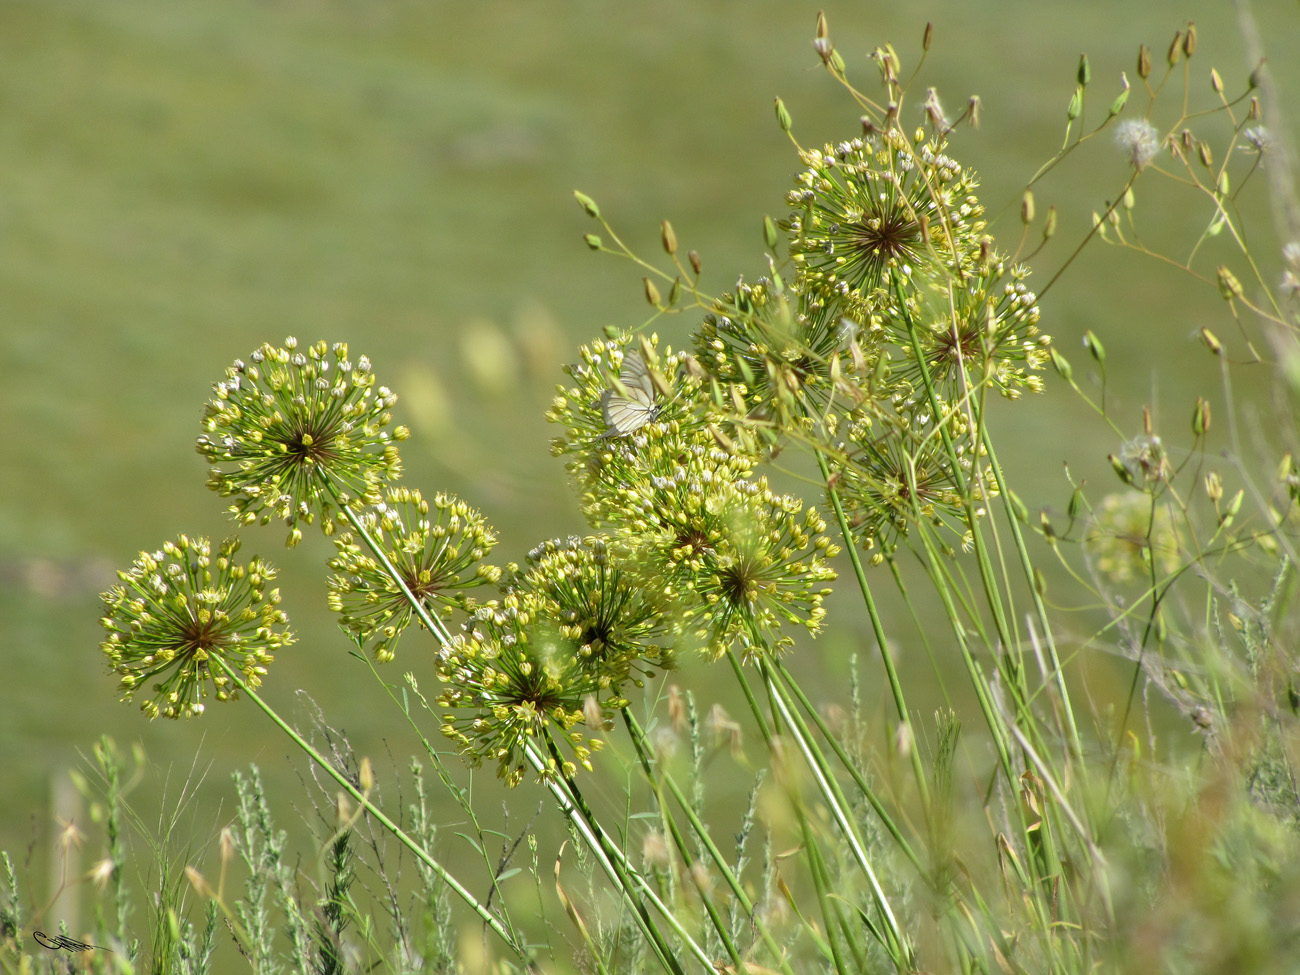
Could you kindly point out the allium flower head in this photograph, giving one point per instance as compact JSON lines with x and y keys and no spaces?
{"x":437,"y":549}
{"x":775,"y":360}
{"x":1128,"y":533}
{"x":981,"y":327}
{"x":617,"y":627}
{"x":900,"y":473}
{"x":514,"y":679}
{"x":868,"y":208}
{"x":600,"y":458}
{"x":180,"y":609}
{"x":1139,"y":140}
{"x":581,"y":408}
{"x":296,"y":433}
{"x":737,"y":560}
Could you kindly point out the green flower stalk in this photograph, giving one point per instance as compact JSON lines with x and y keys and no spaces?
{"x":437,"y":549}
{"x":178,"y":609}
{"x":871,"y":207}
{"x":514,"y":678}
{"x":298,"y":433}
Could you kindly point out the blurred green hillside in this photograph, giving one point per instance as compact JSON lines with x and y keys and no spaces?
{"x":181,"y":181}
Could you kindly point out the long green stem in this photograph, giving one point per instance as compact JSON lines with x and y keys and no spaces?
{"x":489,"y":918}
{"x":624,"y":876}
{"x":658,"y":779}
{"x":849,"y":766}
{"x":877,"y":626}
{"x":895,"y":941}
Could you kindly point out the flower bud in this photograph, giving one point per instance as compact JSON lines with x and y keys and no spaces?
{"x":1189,"y":39}
{"x":1213,"y":486}
{"x":1085,"y":71}
{"x":1061,"y":364}
{"x":1121,"y":470}
{"x":1229,"y":286}
{"x":1117,"y":105}
{"x":587,"y":204}
{"x":1049,"y":225}
{"x":1094,"y":346}
{"x":1144,"y":62}
{"x":1075,"y":505}
{"x":1201,"y":417}
{"x":1229,"y":515}
{"x":651,"y":292}
{"x":783,"y":117}
{"x":1027,"y":207}
{"x":668,"y":238}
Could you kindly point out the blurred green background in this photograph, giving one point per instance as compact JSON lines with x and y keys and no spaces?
{"x":181,"y":181}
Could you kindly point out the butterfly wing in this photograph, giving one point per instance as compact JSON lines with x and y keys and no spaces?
{"x":633,"y":406}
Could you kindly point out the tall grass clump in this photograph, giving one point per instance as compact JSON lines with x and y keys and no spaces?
{"x":835,"y":414}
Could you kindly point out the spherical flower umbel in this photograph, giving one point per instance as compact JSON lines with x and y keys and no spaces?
{"x":179,"y":611}
{"x":981,"y":327}
{"x":437,"y":548}
{"x":868,"y":207}
{"x":737,"y":560}
{"x":601,"y":457}
{"x":513,"y":679}
{"x":1127,"y":534}
{"x":295,"y":434}
{"x":618,"y":628}
{"x":774,"y":361}
{"x":599,"y":374}
{"x":898,"y":474}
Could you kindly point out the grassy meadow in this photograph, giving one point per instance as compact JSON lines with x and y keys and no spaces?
{"x":183,"y":181}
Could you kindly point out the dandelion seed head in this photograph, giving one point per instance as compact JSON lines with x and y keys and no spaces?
{"x":1139,"y":140}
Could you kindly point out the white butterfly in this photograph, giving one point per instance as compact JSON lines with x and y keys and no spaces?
{"x":630,"y":405}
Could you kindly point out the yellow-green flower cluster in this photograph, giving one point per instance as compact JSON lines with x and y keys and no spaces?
{"x":615,"y":625}
{"x":869,"y":211}
{"x":735,"y":559}
{"x":716,"y":549}
{"x":555,"y":652}
{"x":515,"y":678}
{"x":1131,"y":535}
{"x":295,"y":433}
{"x":775,"y":360}
{"x":980,"y":327}
{"x":597,"y":451}
{"x":898,"y":473}
{"x":179,"y":611}
{"x":436,"y":550}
